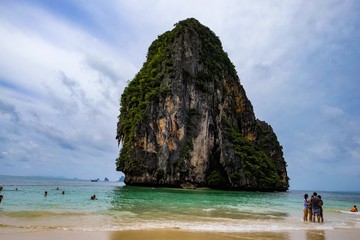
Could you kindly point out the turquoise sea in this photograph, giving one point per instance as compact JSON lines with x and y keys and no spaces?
{"x":121,"y":207}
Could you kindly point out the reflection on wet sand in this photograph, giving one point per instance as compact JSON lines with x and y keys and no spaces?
{"x":315,"y":235}
{"x":166,"y":234}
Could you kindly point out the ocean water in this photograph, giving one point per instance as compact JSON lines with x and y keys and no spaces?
{"x":121,"y":207}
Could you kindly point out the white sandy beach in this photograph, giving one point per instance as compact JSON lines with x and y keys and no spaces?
{"x":177,"y":234}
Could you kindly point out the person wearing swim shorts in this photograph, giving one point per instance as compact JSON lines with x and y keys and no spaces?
{"x":315,"y":207}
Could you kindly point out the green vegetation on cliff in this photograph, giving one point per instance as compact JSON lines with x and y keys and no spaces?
{"x":185,"y":118}
{"x":145,"y":89}
{"x":148,"y":86}
{"x":255,"y":166}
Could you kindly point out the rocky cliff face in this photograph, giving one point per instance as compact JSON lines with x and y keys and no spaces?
{"x":185,"y":118}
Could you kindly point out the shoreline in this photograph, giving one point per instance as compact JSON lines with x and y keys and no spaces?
{"x":179,"y":234}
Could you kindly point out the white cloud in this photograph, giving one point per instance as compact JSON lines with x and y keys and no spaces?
{"x":60,"y":100}
{"x":333,"y":111}
{"x":356,"y":140}
{"x":61,"y":76}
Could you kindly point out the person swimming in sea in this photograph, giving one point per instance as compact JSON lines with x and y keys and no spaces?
{"x":93,"y":197}
{"x":45,"y":194}
{"x":1,"y":198}
{"x":354,"y":209}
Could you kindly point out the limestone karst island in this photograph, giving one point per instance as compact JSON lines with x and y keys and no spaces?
{"x":185,"y":120}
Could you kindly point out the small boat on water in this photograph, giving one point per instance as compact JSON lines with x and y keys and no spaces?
{"x":106,"y":179}
{"x":94,"y":180}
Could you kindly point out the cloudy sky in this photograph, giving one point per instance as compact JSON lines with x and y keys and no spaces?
{"x":64,"y":65}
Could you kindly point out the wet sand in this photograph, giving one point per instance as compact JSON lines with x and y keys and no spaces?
{"x":175,"y":234}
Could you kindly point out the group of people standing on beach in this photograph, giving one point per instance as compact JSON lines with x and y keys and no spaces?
{"x":313,"y":208}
